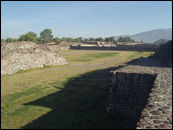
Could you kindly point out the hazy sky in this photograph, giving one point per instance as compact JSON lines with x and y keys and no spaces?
{"x":86,"y":19}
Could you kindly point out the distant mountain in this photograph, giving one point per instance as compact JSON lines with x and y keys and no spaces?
{"x":151,"y":36}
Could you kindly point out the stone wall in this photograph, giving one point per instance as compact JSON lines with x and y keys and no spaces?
{"x":140,"y":47}
{"x":165,"y":53}
{"x":23,"y":55}
{"x":132,"y":89}
{"x":141,"y":95}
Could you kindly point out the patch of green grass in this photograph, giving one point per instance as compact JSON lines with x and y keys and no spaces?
{"x":26,"y":70}
{"x":102,"y":55}
{"x":74,"y":95}
{"x":47,"y":66}
{"x":83,"y":59}
{"x":139,"y":54}
{"x":93,"y":56}
{"x":33,"y":69}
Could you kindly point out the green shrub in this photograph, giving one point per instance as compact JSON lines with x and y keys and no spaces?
{"x":30,"y":36}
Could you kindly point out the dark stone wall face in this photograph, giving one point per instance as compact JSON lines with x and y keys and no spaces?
{"x":132,"y":89}
{"x":165,"y":53}
{"x":131,"y":92}
{"x":141,"y":47}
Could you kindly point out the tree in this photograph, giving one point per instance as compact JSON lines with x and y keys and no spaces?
{"x":86,"y":39}
{"x":46,"y":36}
{"x":125,"y":39}
{"x":30,"y":36}
{"x":10,"y":39}
{"x":91,"y":39}
{"x":100,"y":39}
{"x":2,"y":40}
{"x":79,"y":39}
{"x":110,"y":39}
{"x":68,"y":39}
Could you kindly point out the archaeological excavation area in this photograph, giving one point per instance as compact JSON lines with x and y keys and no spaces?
{"x":91,"y":89}
{"x":141,"y":91}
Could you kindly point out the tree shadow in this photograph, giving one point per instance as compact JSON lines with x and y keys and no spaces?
{"x":82,"y":103}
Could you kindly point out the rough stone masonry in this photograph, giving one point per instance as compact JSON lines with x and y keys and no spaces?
{"x":145,"y":92}
{"x":141,"y":92}
{"x":18,"y":56}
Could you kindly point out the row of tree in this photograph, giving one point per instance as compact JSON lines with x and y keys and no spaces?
{"x":81,"y":39}
{"x":47,"y":36}
{"x":125,"y":39}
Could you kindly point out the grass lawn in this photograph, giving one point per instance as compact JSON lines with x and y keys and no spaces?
{"x":66,"y":96}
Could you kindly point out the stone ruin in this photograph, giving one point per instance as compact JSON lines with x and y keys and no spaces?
{"x":140,"y":94}
{"x":137,"y":47}
{"x":165,"y":53}
{"x":141,"y":97}
{"x":18,"y":56}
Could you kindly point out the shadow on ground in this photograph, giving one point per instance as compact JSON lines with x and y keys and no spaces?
{"x":151,"y":61}
{"x":82,"y":104}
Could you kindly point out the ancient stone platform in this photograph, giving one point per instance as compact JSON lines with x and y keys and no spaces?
{"x":142,"y":92}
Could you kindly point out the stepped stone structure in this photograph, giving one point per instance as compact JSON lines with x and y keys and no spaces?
{"x":141,"y":92}
{"x":23,"y":55}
